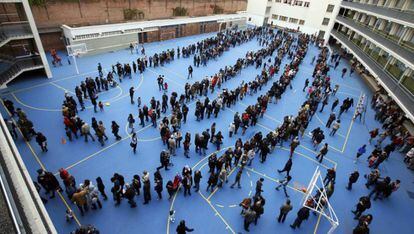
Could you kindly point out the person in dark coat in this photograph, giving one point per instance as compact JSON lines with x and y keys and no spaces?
{"x":363,"y":204}
{"x":303,"y":214}
{"x":353,"y":178}
{"x":182,"y":228}
{"x":287,"y":167}
{"x":101,"y":187}
{"x":48,"y":181}
{"x":130,"y":195}
{"x":197,"y":178}
{"x":284,"y":210}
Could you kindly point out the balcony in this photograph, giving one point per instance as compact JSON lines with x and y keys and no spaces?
{"x":400,"y":94}
{"x":13,"y":31}
{"x":401,"y":17}
{"x":11,"y":68}
{"x":405,"y":55}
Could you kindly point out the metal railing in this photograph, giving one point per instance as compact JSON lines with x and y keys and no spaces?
{"x":20,"y":65}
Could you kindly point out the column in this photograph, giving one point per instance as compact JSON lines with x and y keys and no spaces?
{"x":36,"y":37}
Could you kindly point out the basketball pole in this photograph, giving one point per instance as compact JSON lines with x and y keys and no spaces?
{"x":76,"y":64}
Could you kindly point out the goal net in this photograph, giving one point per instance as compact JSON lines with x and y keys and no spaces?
{"x":315,"y":199}
{"x":77,"y":49}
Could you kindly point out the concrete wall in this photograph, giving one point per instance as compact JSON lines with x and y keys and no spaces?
{"x":118,"y":42}
{"x":256,"y":10}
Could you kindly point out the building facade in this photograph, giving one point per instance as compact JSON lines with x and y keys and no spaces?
{"x":379,"y":34}
{"x":311,"y":17}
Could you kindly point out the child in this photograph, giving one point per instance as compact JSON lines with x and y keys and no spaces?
{"x":231,"y":129}
{"x":139,"y":102}
{"x":101,"y":106}
{"x":165,"y":86}
{"x":69,"y":215}
{"x":172,"y":216}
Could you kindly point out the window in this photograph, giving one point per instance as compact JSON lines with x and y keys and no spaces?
{"x":250,"y":19}
{"x":298,"y":3}
{"x":330,"y":8}
{"x":325,"y":21}
{"x":287,"y":1}
{"x":293,"y":20}
{"x":301,"y":22}
{"x":275,"y":16}
{"x":268,"y":10}
{"x":278,"y":0}
{"x":306,"y":4}
{"x":283,"y":18}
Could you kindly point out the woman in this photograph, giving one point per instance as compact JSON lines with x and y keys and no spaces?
{"x":134,"y":142}
{"x":131,"y":122}
{"x":115,"y":130}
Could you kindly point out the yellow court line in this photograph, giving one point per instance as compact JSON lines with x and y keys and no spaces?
{"x":175,"y":194}
{"x":350,"y":127}
{"x":47,"y":83}
{"x":40,"y":163}
{"x":32,"y":107}
{"x":217,"y":213}
{"x":317,"y":224}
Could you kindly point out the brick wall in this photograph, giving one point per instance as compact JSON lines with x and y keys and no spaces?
{"x":92,"y":12}
{"x":167,"y":33}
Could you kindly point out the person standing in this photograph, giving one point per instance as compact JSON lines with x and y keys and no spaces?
{"x":284,"y":210}
{"x":237,"y":180}
{"x":182,"y":228}
{"x":131,"y":94}
{"x":322,"y":152}
{"x":115,"y":130}
{"x":373,"y":134}
{"x":353,"y":178}
{"x":293,"y":145}
{"x":332,"y":117}
{"x":86,"y":131}
{"x":335,"y":127}
{"x":334,"y":104}
{"x":303,"y":214}
{"x":158,"y":184}
{"x":147,"y":187}
{"x":134,"y":142}
{"x":364,"y":204}
{"x":190,"y":72}
{"x":42,"y":141}
{"x":101,"y":187}
{"x":197,"y":179}
{"x":259,"y":185}
{"x":306,"y":84}
{"x":249,"y":217}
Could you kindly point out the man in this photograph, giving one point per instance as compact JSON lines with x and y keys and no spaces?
{"x":322,"y":152}
{"x":353,"y":178}
{"x":259,"y":185}
{"x":131,"y":94}
{"x":283,"y":184}
{"x":249,"y":217}
{"x":284,"y":210}
{"x":306,"y":84}
{"x":335,"y":127}
{"x":287,"y":167}
{"x":190,"y":72}
{"x":330,"y":176}
{"x":237,"y":180}
{"x":164,"y":160}
{"x":334,"y":104}
{"x":293,"y":145}
{"x":86,"y":131}
{"x":303,"y":214}
{"x":363,"y":204}
{"x":332,"y":117}
{"x":197,"y":178}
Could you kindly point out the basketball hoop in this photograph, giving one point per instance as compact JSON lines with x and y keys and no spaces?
{"x":75,"y":51}
{"x":320,"y":204}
